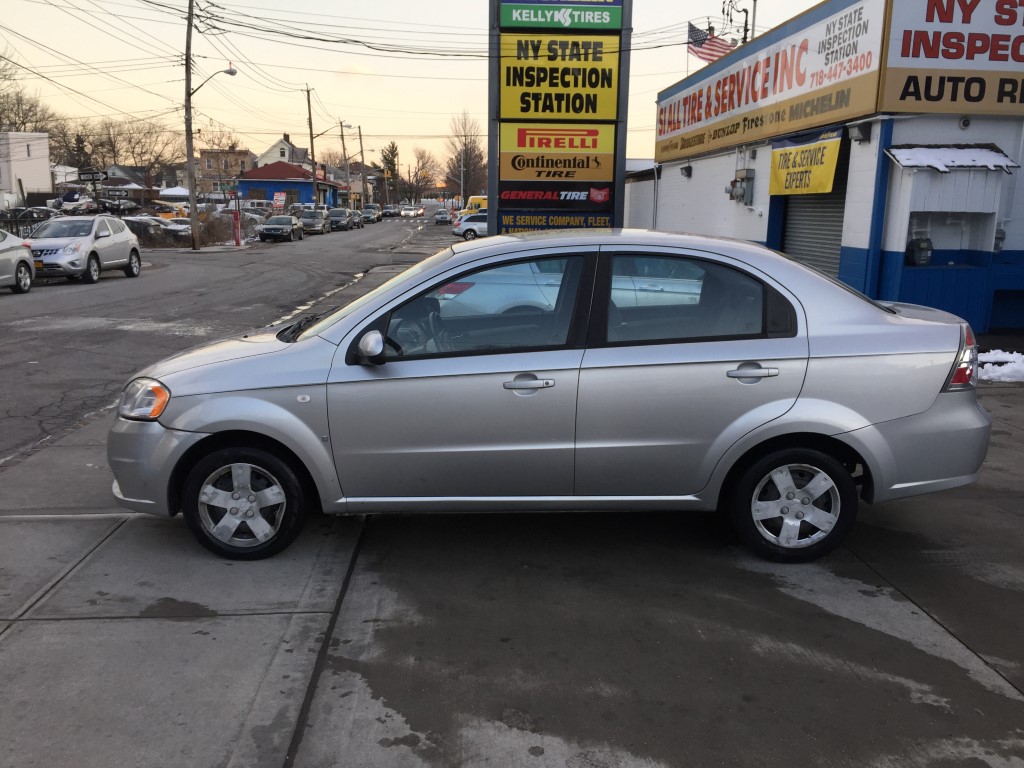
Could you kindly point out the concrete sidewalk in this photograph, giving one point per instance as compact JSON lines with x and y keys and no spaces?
{"x":122,"y":642}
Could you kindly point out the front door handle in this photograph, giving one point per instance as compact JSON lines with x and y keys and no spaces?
{"x":529,"y":384}
{"x":752,"y":373}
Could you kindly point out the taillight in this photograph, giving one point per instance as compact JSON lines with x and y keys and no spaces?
{"x":962,"y":376}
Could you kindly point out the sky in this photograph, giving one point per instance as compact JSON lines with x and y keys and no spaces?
{"x":407,"y":69}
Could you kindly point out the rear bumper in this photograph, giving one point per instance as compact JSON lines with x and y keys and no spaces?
{"x":943,"y":447}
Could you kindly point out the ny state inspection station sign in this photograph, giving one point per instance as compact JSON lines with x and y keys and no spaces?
{"x":557,"y":144}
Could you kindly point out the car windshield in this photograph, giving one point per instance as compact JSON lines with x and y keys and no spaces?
{"x":279,"y":220}
{"x":337,"y":212}
{"x":312,"y":214}
{"x":58,"y":228}
{"x":341,"y":312}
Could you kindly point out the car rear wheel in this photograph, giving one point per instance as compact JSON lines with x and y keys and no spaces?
{"x":794,"y":505}
{"x":470,"y":234}
{"x":92,"y":270}
{"x":22,"y":278}
{"x":243,"y":503}
{"x":134,"y":265}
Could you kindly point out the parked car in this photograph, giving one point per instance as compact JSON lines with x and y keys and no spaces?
{"x":342,"y":218}
{"x":441,"y":216}
{"x":315,"y":221}
{"x":378,"y":213}
{"x":17,"y":270}
{"x":764,"y":390}
{"x":83,"y":246}
{"x":281,"y":228}
{"x":150,"y":231}
{"x":471,"y":226}
{"x":369,"y":215}
{"x":409,"y":211}
{"x":390,"y":210}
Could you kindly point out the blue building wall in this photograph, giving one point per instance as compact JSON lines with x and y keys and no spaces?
{"x":270,"y":186}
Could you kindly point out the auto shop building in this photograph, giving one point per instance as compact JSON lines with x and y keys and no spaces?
{"x":879,"y":141}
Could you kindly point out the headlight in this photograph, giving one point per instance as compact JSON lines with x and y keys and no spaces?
{"x":74,"y":247}
{"x":143,"y":400}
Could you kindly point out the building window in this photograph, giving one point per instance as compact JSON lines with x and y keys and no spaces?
{"x":224,"y":162}
{"x":281,"y":152}
{"x":28,"y":150}
{"x":209,"y":163}
{"x":241,"y":165}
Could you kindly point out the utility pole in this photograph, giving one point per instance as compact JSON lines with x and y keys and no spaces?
{"x":193,"y":214}
{"x":344,"y":152}
{"x":362,"y":164}
{"x":312,"y":154}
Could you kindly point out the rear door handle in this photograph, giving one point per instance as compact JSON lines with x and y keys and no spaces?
{"x":530,"y":384}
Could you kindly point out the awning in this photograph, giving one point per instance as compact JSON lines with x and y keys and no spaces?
{"x":946,"y":157}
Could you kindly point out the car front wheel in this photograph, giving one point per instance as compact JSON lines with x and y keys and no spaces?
{"x":134,"y":265}
{"x":22,"y":279}
{"x":794,"y":505}
{"x":243,"y":503}
{"x":92,"y":270}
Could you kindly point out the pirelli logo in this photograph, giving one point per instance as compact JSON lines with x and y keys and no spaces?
{"x":558,"y":138}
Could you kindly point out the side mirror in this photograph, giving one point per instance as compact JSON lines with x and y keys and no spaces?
{"x":102,"y":234}
{"x":371,"y":348}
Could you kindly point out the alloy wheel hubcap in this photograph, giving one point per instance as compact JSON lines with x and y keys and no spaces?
{"x":795,"y":506}
{"x":242,"y":505}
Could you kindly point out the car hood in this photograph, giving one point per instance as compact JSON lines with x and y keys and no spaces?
{"x":260,"y":342}
{"x":44,"y":243}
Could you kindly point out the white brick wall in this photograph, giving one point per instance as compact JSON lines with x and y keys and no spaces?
{"x":860,"y":191}
{"x":700,"y":204}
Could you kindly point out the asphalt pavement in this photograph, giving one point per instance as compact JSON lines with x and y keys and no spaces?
{"x":584,"y":641}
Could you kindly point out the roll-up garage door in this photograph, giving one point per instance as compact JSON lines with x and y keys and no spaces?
{"x":813,"y":229}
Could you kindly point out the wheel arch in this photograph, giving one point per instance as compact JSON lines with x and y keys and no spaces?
{"x":842,"y":452}
{"x":239,"y":439}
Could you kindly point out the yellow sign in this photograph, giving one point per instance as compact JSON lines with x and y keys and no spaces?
{"x":559,"y":77}
{"x":805,"y":168}
{"x":557,"y":151}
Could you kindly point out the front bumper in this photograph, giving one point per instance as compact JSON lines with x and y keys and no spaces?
{"x":143,"y":455}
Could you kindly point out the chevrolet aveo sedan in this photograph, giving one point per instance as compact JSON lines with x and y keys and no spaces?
{"x":578,"y":371}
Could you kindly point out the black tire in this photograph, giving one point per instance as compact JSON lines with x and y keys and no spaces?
{"x":92,"y":270}
{"x":469,"y":234}
{"x":302,"y":233}
{"x":22,"y":278}
{"x":134,"y":268}
{"x":239,"y":475}
{"x":263,"y":239}
{"x":781,"y":523}
{"x":291,"y":236}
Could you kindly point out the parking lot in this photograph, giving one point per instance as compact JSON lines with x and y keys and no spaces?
{"x":581,"y":640}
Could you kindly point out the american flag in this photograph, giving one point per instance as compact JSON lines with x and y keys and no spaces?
{"x":706,"y":46}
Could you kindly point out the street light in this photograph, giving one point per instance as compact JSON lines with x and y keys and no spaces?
{"x":193,"y":214}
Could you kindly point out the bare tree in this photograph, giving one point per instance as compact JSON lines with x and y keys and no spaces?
{"x":422,"y":173}
{"x":467,"y":158}
{"x":139,"y":143}
{"x":20,"y":111}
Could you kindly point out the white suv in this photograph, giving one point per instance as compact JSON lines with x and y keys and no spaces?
{"x":472,"y":226}
{"x":83,"y":246}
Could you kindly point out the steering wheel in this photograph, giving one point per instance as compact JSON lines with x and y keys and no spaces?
{"x":442,"y":341}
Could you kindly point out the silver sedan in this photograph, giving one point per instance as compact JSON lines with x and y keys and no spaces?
{"x":614,"y":370}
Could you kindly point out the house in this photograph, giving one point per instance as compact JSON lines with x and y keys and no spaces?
{"x":284,"y":151}
{"x":292,"y":182}
{"x":218,"y":168}
{"x":24,"y":166}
